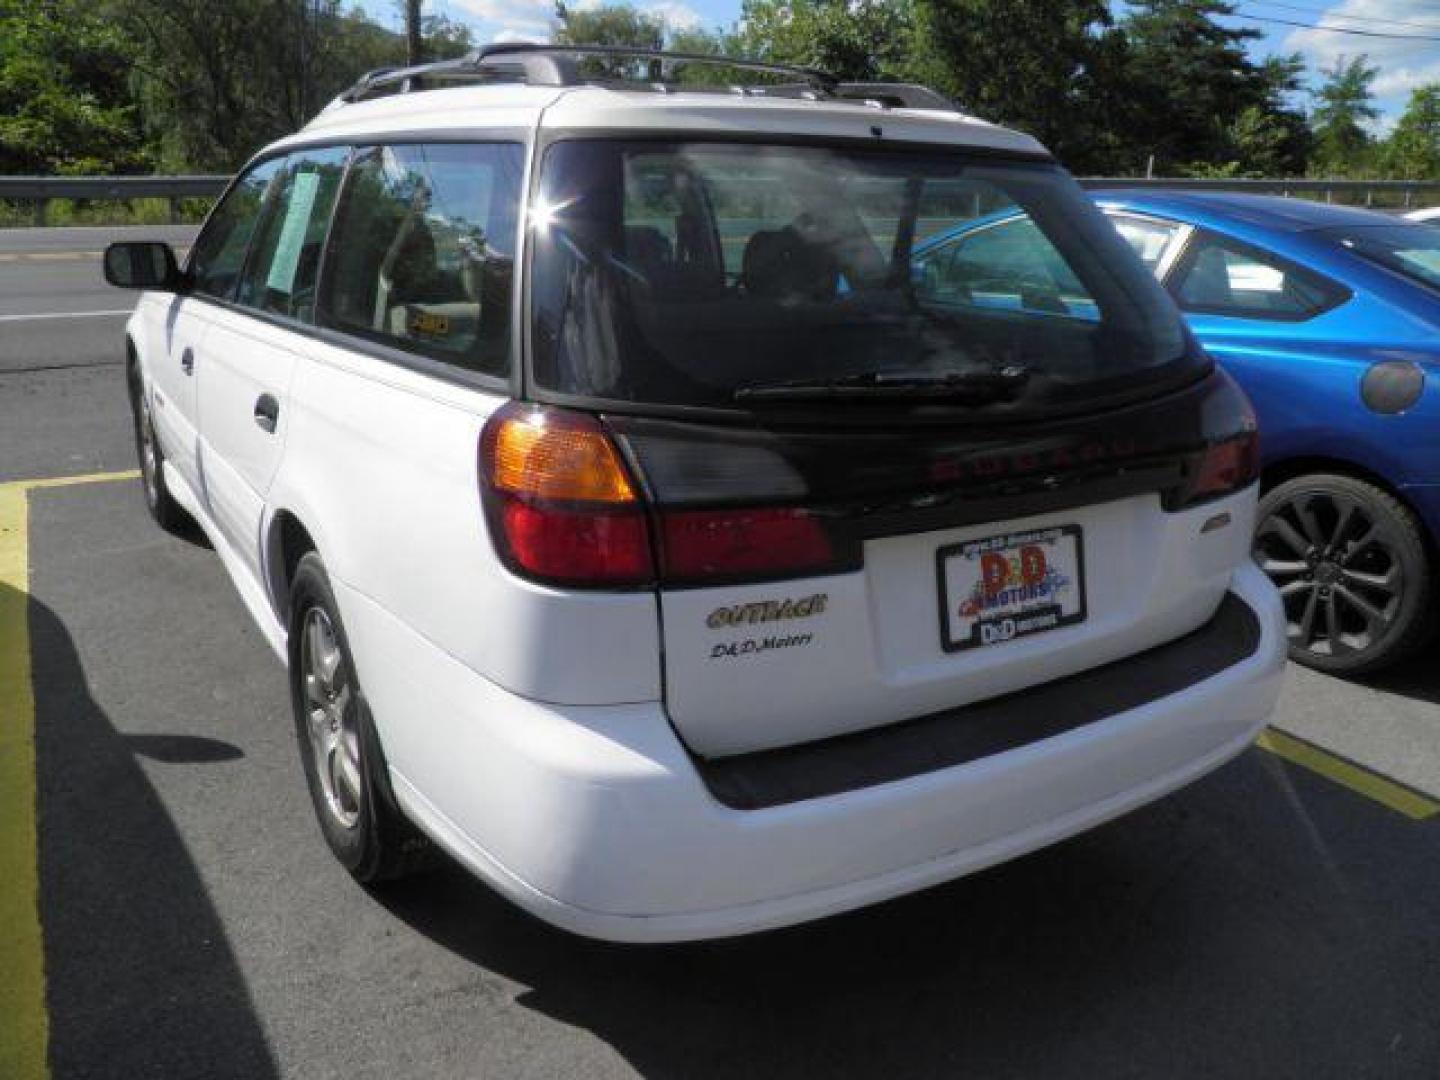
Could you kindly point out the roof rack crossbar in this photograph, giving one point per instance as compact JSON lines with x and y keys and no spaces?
{"x":557,"y":65}
{"x":528,"y":51}
{"x":405,"y":79}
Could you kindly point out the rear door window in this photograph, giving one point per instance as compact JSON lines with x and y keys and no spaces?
{"x":1224,"y":277}
{"x":219,"y":252}
{"x":423,"y":251}
{"x":284,"y":260}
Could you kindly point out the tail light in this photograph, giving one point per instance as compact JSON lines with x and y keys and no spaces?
{"x":1231,"y":458}
{"x":1225,"y":467}
{"x":564,"y":509}
{"x":561,"y":506}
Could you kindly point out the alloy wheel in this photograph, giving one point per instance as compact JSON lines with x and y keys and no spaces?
{"x":149,"y":460}
{"x":330,"y":718}
{"x":1338,"y":571}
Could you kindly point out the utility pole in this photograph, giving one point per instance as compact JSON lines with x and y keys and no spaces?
{"x":414,"y":48}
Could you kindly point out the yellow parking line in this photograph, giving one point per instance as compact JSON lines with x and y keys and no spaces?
{"x":70,"y":481}
{"x":1357,"y":778}
{"x":24,"y":1023}
{"x":48,"y":256}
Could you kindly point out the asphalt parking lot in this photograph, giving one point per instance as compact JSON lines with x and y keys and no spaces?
{"x":1271,"y":920}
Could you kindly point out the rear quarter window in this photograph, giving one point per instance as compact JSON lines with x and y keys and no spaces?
{"x":423,"y":248}
{"x":1220,"y":276}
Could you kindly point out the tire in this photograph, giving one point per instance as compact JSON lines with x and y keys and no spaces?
{"x":1353,"y":569}
{"x":339,"y":750}
{"x":168,"y":513}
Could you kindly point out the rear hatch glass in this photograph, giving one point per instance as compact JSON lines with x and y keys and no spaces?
{"x":1404,"y":247}
{"x":745,"y":276}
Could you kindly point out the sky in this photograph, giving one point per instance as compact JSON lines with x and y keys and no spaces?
{"x":1400,"y":37}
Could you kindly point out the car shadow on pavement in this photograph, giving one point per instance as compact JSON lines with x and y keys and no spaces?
{"x":141,"y":981}
{"x":1414,"y":678}
{"x":1245,"y":927}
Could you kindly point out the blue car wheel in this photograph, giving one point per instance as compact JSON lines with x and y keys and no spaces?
{"x":1352,"y":568}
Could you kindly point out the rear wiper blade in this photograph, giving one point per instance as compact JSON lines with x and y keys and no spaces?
{"x":967,"y":387}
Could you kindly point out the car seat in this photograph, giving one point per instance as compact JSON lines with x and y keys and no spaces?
{"x":779,"y":264}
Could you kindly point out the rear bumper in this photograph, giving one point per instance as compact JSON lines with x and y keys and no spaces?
{"x":597,"y":820}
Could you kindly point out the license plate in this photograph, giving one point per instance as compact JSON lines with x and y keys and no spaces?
{"x":1010,"y":586}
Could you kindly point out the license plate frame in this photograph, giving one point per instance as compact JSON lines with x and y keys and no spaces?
{"x":1026,"y":616}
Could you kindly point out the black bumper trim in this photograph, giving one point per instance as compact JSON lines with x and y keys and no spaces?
{"x":912,"y":747}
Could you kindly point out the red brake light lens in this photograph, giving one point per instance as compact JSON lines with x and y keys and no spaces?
{"x":575,"y":547}
{"x":559,"y":501}
{"x":1224,"y":467}
{"x":739,"y":542}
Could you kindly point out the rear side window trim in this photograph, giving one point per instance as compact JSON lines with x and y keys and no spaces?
{"x":511,"y":378}
{"x":458,"y":376}
{"x":1338,"y":293}
{"x":510,"y":383}
{"x":374,"y":350}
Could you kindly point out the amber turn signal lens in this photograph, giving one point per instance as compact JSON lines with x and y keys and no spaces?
{"x":556,"y":458}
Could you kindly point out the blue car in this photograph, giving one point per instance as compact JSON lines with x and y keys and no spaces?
{"x":1329,"y":317}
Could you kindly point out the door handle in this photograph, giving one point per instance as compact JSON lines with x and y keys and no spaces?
{"x":267,"y":413}
{"x":187,"y":362}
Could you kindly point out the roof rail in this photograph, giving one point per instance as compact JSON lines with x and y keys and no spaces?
{"x":557,"y":65}
{"x":895,"y":95}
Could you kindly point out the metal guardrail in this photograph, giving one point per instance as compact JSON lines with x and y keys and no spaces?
{"x":39,"y":190}
{"x":1406,"y":190}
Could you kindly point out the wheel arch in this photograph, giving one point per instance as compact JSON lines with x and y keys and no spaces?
{"x":287,"y":542}
{"x":1279,"y":472}
{"x":133,"y":374}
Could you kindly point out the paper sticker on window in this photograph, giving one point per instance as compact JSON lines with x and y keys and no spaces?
{"x":292,"y":233}
{"x":429,"y":323}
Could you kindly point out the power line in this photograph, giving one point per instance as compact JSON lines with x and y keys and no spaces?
{"x":1364,"y":20}
{"x":1276,"y":20}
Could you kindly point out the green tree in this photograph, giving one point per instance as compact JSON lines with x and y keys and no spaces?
{"x":612,"y":24}
{"x":623,"y":25}
{"x":1344,"y":105}
{"x":443,"y":38}
{"x":1046,"y":66}
{"x":216,"y":79}
{"x":861,"y":40}
{"x":65,"y":103}
{"x":1196,"y":101}
{"x":1413,"y":150}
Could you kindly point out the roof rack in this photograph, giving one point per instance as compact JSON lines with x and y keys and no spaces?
{"x":559,"y":65}
{"x":895,"y":95}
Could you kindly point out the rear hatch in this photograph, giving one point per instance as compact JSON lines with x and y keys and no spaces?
{"x":912,"y":427}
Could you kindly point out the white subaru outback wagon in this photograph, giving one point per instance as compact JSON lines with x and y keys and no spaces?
{"x":644,"y":526}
